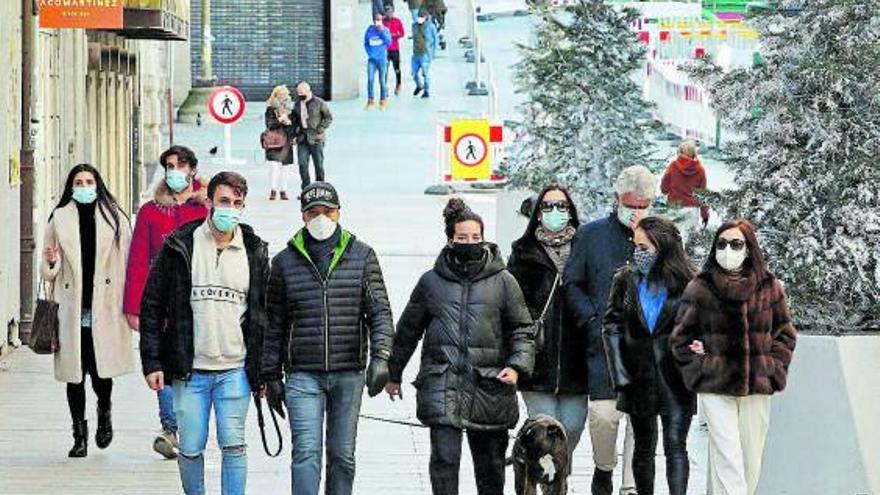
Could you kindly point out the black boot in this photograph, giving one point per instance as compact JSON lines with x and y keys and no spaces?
{"x":602,"y":484}
{"x":80,"y":439}
{"x":104,"y":432}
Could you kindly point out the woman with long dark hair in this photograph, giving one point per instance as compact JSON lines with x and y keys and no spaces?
{"x":84,"y":260}
{"x":558,"y":386}
{"x":733,"y":341}
{"x":477,"y":342}
{"x":642,"y":306}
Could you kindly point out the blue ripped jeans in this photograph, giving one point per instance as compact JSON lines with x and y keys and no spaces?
{"x":229,"y":393}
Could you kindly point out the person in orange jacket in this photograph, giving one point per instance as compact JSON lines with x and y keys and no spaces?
{"x":683,"y":176}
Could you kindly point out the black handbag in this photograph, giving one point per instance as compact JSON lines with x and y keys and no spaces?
{"x":43,"y":338}
{"x":540,"y":322}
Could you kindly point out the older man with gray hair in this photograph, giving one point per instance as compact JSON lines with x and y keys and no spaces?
{"x":598,"y":250}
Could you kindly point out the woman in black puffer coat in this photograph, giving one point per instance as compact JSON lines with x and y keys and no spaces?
{"x":477,"y":343}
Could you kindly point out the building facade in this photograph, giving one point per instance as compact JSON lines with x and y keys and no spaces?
{"x":99,"y":97}
{"x":10,"y":177}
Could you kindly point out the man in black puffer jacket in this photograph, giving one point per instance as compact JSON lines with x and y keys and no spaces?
{"x":328,"y":308}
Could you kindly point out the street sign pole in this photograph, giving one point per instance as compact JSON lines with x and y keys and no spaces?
{"x":227,"y":144}
{"x":226,"y":104}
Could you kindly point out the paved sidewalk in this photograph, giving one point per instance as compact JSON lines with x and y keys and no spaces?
{"x":381,"y":163}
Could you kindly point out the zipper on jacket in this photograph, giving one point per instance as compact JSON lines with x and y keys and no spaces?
{"x":462,"y":318}
{"x":465,"y":288}
{"x":324,"y":282}
{"x":326,"y":327}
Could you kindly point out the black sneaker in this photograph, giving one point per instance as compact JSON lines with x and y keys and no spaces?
{"x":426,"y":95}
{"x":417,"y":91}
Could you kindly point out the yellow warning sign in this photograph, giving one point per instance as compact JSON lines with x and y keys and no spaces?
{"x":470,"y":142}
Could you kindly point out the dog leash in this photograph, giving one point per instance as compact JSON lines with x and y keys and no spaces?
{"x":405,"y":423}
{"x":392,"y":421}
{"x":258,"y":401}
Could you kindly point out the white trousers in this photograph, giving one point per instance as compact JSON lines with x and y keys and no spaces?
{"x":279,"y":176}
{"x":604,"y":421}
{"x":737,"y":432}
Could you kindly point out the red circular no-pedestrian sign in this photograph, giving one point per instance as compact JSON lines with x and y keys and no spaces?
{"x":471,"y":149}
{"x":226,"y":104}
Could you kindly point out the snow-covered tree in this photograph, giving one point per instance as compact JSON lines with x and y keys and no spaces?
{"x":583,"y":116}
{"x":807,"y":155}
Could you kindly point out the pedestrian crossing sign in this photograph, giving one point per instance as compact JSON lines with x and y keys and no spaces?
{"x":471,"y":140}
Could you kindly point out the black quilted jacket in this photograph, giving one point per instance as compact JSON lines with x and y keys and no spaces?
{"x":318,"y":324}
{"x":472,"y":327}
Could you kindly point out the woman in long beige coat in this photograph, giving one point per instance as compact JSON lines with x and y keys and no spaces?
{"x":84,"y":262}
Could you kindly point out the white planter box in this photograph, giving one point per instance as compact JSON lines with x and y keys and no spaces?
{"x":825,"y":427}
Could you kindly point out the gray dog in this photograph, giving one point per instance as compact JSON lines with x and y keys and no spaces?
{"x":541,"y":457}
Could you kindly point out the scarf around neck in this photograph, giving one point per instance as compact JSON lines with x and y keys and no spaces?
{"x":555,"y":239}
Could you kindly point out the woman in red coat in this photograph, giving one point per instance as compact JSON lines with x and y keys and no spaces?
{"x":178,"y":199}
{"x":683,"y":176}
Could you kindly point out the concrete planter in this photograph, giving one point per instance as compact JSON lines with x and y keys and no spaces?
{"x":825,"y":427}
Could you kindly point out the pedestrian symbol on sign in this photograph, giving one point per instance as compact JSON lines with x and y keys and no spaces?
{"x":471,"y":150}
{"x":227,"y":105}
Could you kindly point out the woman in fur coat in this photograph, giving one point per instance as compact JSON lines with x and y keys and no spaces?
{"x":733,"y":341}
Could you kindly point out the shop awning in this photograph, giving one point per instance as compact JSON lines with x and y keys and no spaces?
{"x":156,"y":19}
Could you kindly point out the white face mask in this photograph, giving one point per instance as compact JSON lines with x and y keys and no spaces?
{"x":731,"y":260}
{"x":321,"y":227}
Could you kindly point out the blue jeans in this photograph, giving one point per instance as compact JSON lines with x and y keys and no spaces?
{"x":166,"y":409}
{"x":568,"y":409}
{"x":311,"y":396}
{"x":421,"y":65}
{"x":230,"y":394}
{"x":374,"y":66}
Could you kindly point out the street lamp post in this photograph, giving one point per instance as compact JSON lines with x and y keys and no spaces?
{"x":195,"y":106}
{"x":207,"y":52}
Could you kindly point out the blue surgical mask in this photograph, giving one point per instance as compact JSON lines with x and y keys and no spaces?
{"x":85,"y":195}
{"x":554,"y":220}
{"x":177,"y":181}
{"x":226,"y":219}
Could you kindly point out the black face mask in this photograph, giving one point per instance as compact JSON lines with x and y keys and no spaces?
{"x":468,"y":252}
{"x":302,"y":97}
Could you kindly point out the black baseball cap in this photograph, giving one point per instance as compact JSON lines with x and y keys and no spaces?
{"x":319,"y":194}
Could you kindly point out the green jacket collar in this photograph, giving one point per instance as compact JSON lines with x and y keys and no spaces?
{"x":298,"y":243}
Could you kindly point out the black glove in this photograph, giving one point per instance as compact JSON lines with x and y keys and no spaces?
{"x":275,"y":396}
{"x":377,"y":376}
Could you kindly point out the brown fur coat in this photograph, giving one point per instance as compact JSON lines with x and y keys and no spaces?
{"x":746,"y":329}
